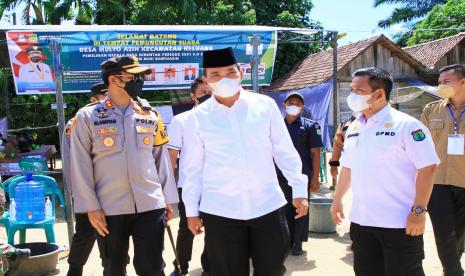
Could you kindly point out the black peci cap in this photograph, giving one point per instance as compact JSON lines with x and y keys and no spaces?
{"x":219,"y":58}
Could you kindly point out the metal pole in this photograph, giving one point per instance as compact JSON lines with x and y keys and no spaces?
{"x":58,"y":69}
{"x":255,"y":62}
{"x":336,"y":114}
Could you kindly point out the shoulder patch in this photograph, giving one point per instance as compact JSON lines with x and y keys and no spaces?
{"x":69,"y":126}
{"x":418,"y":135}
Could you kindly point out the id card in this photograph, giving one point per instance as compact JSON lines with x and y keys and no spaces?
{"x":456,"y":144}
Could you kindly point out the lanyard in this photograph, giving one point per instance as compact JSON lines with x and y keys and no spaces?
{"x":456,"y":128}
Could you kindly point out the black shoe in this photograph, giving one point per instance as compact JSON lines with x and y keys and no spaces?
{"x":297,"y":249}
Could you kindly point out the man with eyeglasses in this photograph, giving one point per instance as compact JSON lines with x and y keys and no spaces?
{"x":122,"y":176}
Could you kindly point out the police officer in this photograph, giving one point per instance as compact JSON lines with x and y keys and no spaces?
{"x":389,"y":161}
{"x":445,"y":120}
{"x":122,"y":177}
{"x":84,"y":236}
{"x":306,"y":137}
{"x":36,"y":70}
{"x":200,"y":92}
{"x":230,"y":183}
{"x":338,"y":145}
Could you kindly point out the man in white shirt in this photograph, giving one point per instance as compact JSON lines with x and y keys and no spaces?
{"x":230,"y":183}
{"x":389,"y":160}
{"x":36,"y":70}
{"x":200,"y":92}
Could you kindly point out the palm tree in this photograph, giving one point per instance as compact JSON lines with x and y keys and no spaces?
{"x":51,"y":11}
{"x":408,"y":10}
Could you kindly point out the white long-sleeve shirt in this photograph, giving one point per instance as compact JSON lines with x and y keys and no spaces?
{"x":229,"y":154}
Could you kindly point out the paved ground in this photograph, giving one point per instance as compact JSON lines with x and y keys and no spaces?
{"x":325,"y":254}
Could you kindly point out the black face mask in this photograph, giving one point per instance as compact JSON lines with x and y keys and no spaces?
{"x":36,"y":59}
{"x":203,"y":98}
{"x":133,"y":88}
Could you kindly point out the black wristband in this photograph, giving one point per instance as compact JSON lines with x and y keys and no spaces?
{"x":334,"y":163}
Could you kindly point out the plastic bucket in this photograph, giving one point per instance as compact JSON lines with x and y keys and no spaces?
{"x":43,"y":259}
{"x":320,"y":216}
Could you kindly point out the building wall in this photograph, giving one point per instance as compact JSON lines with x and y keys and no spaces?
{"x":456,"y":55}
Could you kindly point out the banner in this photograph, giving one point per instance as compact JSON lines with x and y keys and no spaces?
{"x":175,"y":55}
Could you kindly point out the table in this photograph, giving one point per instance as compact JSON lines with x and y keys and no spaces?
{"x":10,"y":166}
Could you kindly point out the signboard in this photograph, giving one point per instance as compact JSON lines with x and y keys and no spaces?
{"x":175,"y":55}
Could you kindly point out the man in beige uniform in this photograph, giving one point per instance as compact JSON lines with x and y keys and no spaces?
{"x":445,"y":120}
{"x":121,"y":174}
{"x":84,"y":236}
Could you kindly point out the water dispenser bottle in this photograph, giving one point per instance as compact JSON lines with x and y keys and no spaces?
{"x":30,"y":204}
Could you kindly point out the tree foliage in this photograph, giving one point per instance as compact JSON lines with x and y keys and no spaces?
{"x":449,"y":15}
{"x":407,"y":11}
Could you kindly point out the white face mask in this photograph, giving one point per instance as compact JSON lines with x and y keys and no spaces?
{"x":292,"y":110}
{"x":226,"y":87}
{"x":358,"y":102}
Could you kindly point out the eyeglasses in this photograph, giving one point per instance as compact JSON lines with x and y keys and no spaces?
{"x":139,"y":77}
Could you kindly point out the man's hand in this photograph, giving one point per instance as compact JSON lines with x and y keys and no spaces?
{"x":195,"y":225}
{"x":415,"y":225}
{"x":168,"y":212}
{"x":333,"y":170}
{"x":337,"y":212}
{"x":97,"y":219}
{"x":301,"y":205}
{"x":314,"y":184}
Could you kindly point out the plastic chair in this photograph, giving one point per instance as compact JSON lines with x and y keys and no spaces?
{"x":38,"y":164}
{"x":323,"y":171}
{"x":47,"y":224}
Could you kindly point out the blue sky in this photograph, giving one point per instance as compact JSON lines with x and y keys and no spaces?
{"x":358,"y":18}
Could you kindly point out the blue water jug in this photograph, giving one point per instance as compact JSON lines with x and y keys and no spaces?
{"x":30,"y":203}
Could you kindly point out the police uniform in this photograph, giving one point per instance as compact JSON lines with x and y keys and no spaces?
{"x":384,"y":154}
{"x":119,"y":165}
{"x":447,"y":203}
{"x":305,"y":135}
{"x":185,"y":237}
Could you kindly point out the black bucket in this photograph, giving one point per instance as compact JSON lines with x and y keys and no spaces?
{"x":43,"y":259}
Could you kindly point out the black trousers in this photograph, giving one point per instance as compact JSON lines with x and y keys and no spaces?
{"x":185,"y":240}
{"x":385,"y":251}
{"x":298,"y":228}
{"x":147,"y":231}
{"x":81,"y":245}
{"x":447,"y":212}
{"x":231,"y":242}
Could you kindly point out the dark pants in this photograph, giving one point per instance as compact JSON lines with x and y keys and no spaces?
{"x":81,"y":246}
{"x":447,"y":213}
{"x":185,"y":240}
{"x":231,"y":242}
{"x":147,"y":231}
{"x":385,"y":251}
{"x":298,"y":228}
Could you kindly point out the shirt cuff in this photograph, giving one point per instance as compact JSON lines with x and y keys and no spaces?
{"x":87,"y":207}
{"x":300,"y":191}
{"x":192,"y":211}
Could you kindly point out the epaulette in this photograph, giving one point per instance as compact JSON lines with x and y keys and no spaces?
{"x":434,"y":103}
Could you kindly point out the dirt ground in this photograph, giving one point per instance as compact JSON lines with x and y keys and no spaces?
{"x":324,"y":254}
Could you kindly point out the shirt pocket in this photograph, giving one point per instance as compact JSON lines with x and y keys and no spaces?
{"x":145,"y":141}
{"x":109,"y":142}
{"x":436,"y":127}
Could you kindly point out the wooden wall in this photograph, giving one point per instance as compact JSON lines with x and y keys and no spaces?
{"x":456,"y":55}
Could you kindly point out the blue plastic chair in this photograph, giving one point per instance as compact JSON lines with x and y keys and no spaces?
{"x":47,"y":224}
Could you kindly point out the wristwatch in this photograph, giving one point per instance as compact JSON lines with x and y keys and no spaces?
{"x":334,"y":163}
{"x":418,"y":210}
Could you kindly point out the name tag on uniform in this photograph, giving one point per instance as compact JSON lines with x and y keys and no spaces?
{"x":455,"y":144}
